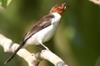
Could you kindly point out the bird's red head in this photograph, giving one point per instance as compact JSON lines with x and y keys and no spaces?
{"x":59,"y":8}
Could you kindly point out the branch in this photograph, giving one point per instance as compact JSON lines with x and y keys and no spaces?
{"x":31,"y":58}
{"x":95,"y":2}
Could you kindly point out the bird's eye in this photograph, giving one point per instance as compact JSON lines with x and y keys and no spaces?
{"x":59,"y":7}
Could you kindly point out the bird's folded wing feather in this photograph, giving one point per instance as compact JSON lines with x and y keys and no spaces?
{"x":41,"y":24}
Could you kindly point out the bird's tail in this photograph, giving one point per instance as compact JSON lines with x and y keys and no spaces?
{"x":11,"y":57}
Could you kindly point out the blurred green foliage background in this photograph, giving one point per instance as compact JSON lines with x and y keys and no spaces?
{"x":77,"y":40}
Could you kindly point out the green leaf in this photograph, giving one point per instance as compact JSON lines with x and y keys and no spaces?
{"x":8,"y":2}
{"x":5,"y":3}
{"x":0,"y":2}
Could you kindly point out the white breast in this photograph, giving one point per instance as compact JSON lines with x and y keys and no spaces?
{"x":46,"y":33}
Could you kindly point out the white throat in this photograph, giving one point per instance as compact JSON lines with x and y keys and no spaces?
{"x":56,"y":17}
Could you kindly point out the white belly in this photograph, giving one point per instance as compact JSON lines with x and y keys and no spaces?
{"x":41,"y":36}
{"x":46,"y":33}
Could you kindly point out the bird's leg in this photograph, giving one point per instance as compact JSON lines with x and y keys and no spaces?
{"x":42,"y":46}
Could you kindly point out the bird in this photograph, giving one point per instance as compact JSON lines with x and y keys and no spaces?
{"x":43,"y":30}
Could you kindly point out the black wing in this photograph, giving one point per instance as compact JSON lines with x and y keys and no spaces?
{"x":41,"y":24}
